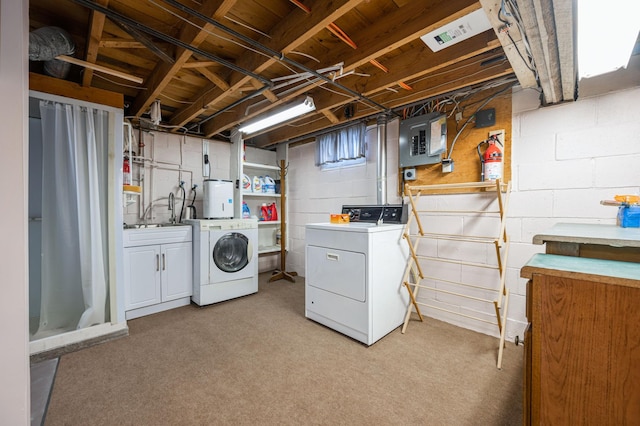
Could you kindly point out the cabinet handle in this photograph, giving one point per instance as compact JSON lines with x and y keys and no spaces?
{"x":163,"y":262}
{"x":157,"y":262}
{"x":331,"y":256}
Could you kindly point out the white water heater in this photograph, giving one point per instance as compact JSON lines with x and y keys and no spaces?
{"x":218,"y":199}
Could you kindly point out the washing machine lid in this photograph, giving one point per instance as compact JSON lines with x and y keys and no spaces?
{"x":231,"y":252}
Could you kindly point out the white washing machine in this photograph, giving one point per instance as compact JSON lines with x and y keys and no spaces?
{"x":225,"y":259}
{"x":354,"y":273}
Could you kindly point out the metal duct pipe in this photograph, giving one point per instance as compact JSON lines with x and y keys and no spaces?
{"x":48,"y":42}
{"x":381,"y":172}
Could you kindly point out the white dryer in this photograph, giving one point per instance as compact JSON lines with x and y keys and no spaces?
{"x":225,"y":259}
{"x":354,"y":272}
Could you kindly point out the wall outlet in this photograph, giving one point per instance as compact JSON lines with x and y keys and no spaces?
{"x":410,"y":174}
{"x":447,"y":165}
{"x":499,"y":133}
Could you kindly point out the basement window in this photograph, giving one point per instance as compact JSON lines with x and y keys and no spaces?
{"x":342,"y":148}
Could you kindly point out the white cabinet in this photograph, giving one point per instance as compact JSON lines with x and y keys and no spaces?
{"x":158,"y":269}
{"x":142,"y":276}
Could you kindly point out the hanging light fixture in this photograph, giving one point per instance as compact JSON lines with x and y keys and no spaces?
{"x":278,"y":116}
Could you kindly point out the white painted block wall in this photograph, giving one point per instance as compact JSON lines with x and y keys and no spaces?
{"x":565,"y":159}
{"x":169,"y":159}
{"x":314,"y":194}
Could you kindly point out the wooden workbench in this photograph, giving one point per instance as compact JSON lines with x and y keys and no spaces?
{"x":600,"y":241}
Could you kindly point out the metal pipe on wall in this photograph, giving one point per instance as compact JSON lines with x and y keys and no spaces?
{"x":381,"y":161}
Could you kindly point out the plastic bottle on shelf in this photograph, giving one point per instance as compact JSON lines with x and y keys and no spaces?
{"x":269,"y":185}
{"x":246,"y":213}
{"x":264,"y":212}
{"x":273,"y":211}
{"x":246,"y":183}
{"x":257,"y":187}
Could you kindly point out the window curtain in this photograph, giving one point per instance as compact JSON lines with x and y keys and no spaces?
{"x":74,"y":208}
{"x":343,"y":144}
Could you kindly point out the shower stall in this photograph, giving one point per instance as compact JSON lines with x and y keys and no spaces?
{"x":75,"y":221}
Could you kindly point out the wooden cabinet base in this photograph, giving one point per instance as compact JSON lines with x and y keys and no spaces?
{"x":582,"y":347}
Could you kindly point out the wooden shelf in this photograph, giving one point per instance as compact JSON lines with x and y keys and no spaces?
{"x":260,"y":166}
{"x":261,"y":194}
{"x":269,"y":249}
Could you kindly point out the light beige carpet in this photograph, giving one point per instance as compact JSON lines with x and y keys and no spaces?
{"x":258,"y":360}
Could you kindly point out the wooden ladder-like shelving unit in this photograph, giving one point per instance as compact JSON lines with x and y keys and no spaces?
{"x":415,"y":272}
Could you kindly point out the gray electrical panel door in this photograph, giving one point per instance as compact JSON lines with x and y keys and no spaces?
{"x":423,"y":139}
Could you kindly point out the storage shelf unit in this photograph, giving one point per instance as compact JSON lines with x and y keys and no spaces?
{"x":417,"y":273}
{"x":267,"y":230}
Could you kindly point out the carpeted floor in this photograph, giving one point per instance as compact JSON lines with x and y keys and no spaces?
{"x":258,"y":360}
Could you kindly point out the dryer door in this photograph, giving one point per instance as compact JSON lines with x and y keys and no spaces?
{"x":230,"y":257}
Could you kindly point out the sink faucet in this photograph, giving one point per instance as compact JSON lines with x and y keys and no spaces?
{"x":172,"y":207}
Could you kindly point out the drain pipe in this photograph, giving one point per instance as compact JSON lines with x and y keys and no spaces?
{"x":381,"y":172}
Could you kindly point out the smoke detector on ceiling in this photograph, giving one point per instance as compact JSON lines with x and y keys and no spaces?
{"x":461,"y":29}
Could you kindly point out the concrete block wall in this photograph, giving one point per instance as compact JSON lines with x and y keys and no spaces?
{"x":169,"y":159}
{"x":445,"y":279}
{"x":565,"y":160}
{"x":313,"y":193}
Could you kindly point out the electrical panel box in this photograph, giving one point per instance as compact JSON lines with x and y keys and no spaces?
{"x":423,"y":139}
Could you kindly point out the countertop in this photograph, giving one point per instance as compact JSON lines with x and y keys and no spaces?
{"x":606,"y":271}
{"x":585,"y":233}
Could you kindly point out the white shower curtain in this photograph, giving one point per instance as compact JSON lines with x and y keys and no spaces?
{"x":74,"y":255}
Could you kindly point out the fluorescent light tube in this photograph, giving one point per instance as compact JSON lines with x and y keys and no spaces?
{"x":607,"y":32}
{"x":291,"y":111}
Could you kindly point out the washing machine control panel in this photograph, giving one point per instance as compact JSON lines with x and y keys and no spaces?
{"x":389,"y":213}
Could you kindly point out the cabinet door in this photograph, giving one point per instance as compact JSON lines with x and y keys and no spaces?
{"x":142,"y":276}
{"x":177,"y":271}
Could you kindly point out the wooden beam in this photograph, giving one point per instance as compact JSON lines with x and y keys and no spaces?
{"x":56,"y":86}
{"x":403,"y":26}
{"x":330,"y":116}
{"x":513,"y":46}
{"x":161,"y":76}
{"x":455,"y":77}
{"x":398,"y":29}
{"x":147,"y":42}
{"x":93,"y":41}
{"x":100,"y":68}
{"x":117,"y":43}
{"x":200,"y":64}
{"x":214,"y":78}
{"x":295,"y":30}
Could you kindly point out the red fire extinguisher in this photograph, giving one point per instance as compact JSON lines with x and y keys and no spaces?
{"x":490,"y":159}
{"x":126,"y":172}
